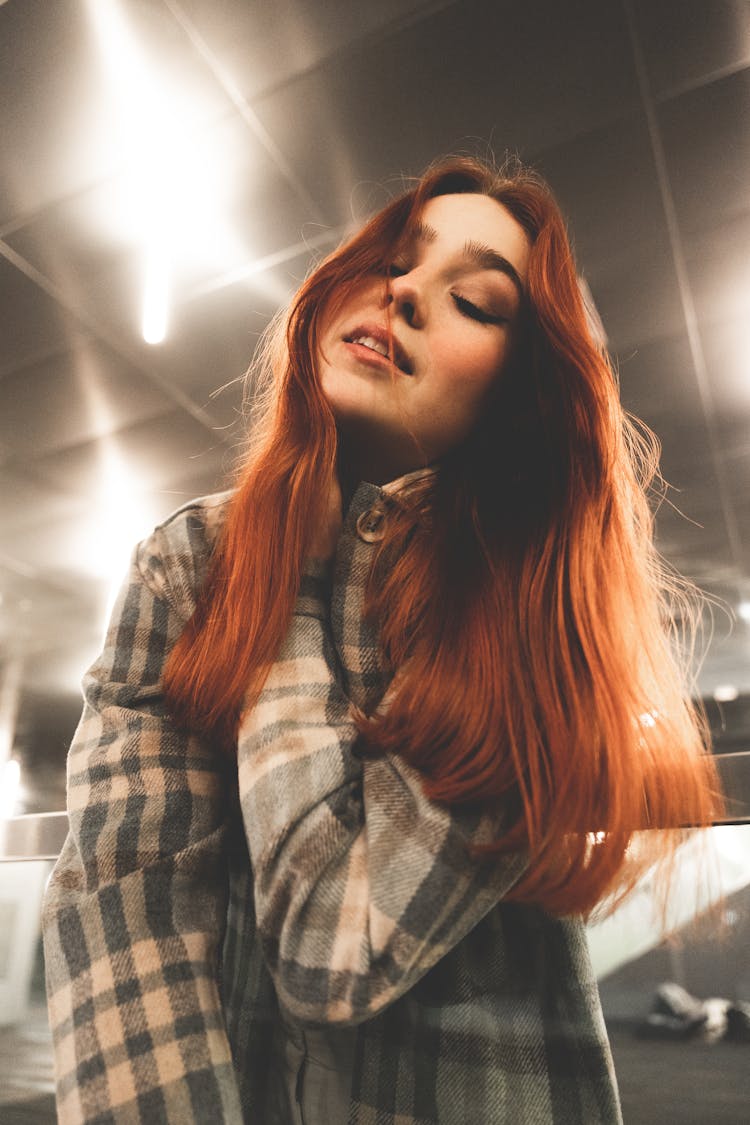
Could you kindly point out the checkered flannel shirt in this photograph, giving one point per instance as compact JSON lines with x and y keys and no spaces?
{"x":201,"y":906}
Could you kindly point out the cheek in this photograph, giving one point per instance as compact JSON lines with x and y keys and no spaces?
{"x":469,"y":367}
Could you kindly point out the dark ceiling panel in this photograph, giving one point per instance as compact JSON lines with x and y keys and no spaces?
{"x":692,"y":535}
{"x":707,"y":144}
{"x":605,"y":181}
{"x":657,"y":381}
{"x":514,"y":76}
{"x":637,"y":296}
{"x":687,"y":459}
{"x":692,"y":41}
{"x":33,"y":324}
{"x":71,"y":397}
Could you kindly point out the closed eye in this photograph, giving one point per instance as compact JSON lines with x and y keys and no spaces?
{"x":395,"y":269}
{"x":468,"y":308}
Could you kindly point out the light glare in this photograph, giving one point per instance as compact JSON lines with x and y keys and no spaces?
{"x":171,"y":197}
{"x":155,"y":297}
{"x":11,"y":780}
{"x":121,"y":516}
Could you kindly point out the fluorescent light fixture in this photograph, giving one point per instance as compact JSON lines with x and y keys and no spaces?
{"x":155,"y":296}
{"x":171,"y":198}
{"x":11,"y":779}
{"x":743,"y":609}
{"x":725,"y":693}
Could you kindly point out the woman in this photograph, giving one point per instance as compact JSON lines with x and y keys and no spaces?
{"x":346,"y":784}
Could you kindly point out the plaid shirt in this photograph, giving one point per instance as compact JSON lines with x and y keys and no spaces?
{"x":299,"y":931}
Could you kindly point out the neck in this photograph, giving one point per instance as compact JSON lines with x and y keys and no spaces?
{"x":357,"y":462}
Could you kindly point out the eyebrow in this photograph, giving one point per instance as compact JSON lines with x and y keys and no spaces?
{"x":478,"y":253}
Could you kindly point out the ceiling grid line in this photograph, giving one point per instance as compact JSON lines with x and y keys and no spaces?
{"x":168,"y":389}
{"x":704,"y":80}
{"x":686,"y":297}
{"x":244,"y":108}
{"x":246,"y":111}
{"x":370,"y":37}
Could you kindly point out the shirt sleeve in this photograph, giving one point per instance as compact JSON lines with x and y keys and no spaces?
{"x":361,"y":883}
{"x":134,"y":912}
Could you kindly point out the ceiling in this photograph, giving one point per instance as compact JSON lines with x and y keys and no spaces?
{"x":210,"y":149}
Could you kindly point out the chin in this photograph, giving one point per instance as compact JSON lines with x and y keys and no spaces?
{"x":349,"y":406}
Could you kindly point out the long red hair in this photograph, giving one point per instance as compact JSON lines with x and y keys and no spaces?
{"x":518,"y":590}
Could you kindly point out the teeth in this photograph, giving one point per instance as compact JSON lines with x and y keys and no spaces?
{"x":370,"y":342}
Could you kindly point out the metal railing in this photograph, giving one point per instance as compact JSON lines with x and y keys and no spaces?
{"x":41,"y":835}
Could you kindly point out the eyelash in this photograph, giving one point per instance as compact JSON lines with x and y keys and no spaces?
{"x":474,"y":312}
{"x":468,"y":308}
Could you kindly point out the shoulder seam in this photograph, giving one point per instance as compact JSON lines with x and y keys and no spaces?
{"x":156,"y":542}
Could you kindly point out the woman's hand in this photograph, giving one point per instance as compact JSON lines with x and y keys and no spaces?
{"x":326,"y":534}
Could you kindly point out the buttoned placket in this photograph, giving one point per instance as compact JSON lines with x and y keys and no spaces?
{"x":371,"y":524}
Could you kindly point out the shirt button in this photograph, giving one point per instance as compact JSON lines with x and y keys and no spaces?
{"x":371,"y":525}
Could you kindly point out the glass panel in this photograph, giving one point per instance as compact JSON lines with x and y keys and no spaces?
{"x":678,"y":1010}
{"x":26,"y":1079}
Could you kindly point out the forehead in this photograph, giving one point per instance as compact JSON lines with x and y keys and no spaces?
{"x":458,"y":219}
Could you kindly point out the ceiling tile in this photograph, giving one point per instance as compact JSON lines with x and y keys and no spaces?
{"x":688,"y":460}
{"x":685,"y":43}
{"x":637,"y":296}
{"x":736,"y":461}
{"x":657,"y":382}
{"x":606,"y":184}
{"x":157,"y":455}
{"x":33,"y":323}
{"x":707,"y":146}
{"x":72,"y":397}
{"x":460,"y":79}
{"x":264,"y":45}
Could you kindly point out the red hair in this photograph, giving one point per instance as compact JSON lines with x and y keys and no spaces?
{"x":518,"y":590}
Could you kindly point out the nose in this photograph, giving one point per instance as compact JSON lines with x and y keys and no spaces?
{"x":406,"y":297}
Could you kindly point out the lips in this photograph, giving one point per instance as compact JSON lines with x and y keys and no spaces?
{"x":375,"y":338}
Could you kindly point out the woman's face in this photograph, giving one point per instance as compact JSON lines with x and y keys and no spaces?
{"x":453,"y":300}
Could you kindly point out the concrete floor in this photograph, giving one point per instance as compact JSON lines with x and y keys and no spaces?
{"x":663,"y":1083}
{"x":26,"y":1081}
